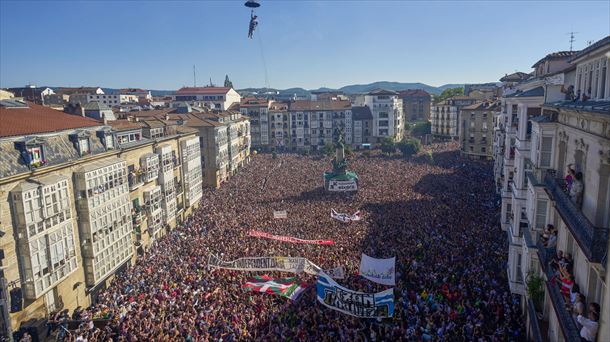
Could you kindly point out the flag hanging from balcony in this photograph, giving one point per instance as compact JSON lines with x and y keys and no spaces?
{"x":284,"y":287}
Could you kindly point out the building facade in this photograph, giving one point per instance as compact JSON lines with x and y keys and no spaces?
{"x":477,"y":135}
{"x":564,"y":134}
{"x":258,"y":112}
{"x":312,"y":124}
{"x":415,"y":104}
{"x":73,"y":188}
{"x":388,"y":116}
{"x":219,"y":98}
{"x":445,"y":116}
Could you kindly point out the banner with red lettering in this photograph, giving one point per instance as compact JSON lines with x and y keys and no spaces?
{"x":256,"y":233}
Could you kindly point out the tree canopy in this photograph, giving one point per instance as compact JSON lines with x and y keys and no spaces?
{"x":447,"y":93}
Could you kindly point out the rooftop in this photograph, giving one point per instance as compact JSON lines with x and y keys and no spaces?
{"x":515,"y":77}
{"x":535,"y":92}
{"x":202,"y":90}
{"x":33,"y":119}
{"x":308,"y":105}
{"x":95,"y":105}
{"x":555,"y":55}
{"x":413,"y":92}
{"x":602,"y":107}
{"x":597,"y":45}
{"x":382,"y":92}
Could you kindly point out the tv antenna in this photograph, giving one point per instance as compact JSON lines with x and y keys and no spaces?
{"x":194,"y":76}
{"x":572,"y":39}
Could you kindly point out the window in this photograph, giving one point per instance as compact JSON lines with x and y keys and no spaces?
{"x":83,"y":146}
{"x":383,"y":123}
{"x":35,"y":154}
{"x":108,"y":141}
{"x":383,"y":115}
{"x":541,"y":205}
{"x":483,"y":150}
{"x":546,"y":150}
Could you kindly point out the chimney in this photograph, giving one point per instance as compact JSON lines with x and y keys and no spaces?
{"x":104,"y":119}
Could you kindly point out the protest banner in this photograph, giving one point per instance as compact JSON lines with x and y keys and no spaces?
{"x":358,"y":304}
{"x":256,"y":233}
{"x":280,"y":214}
{"x":381,"y":271}
{"x":267,"y":264}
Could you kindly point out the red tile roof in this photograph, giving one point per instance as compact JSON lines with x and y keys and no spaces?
{"x":202,"y":90}
{"x":39,"y":119}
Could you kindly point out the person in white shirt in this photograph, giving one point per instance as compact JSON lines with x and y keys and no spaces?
{"x":588,"y":331}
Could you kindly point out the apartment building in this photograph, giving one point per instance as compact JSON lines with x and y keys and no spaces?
{"x":388,"y":116}
{"x":445,"y":116}
{"x":278,"y":125}
{"x":219,"y":98}
{"x":69,"y":219}
{"x":113,"y":100}
{"x":312,"y":124}
{"x":562,"y":133}
{"x":476,"y":133}
{"x":78,"y":94}
{"x":258,"y":112}
{"x":415,"y":104}
{"x":363,"y":125}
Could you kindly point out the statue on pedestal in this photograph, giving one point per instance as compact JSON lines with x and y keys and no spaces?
{"x":340,"y":179}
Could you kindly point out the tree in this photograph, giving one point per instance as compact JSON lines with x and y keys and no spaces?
{"x":421,"y":128}
{"x":329,"y":149}
{"x":228,"y":83}
{"x":388,"y":146}
{"x":447,"y":93}
{"x":409,"y":147}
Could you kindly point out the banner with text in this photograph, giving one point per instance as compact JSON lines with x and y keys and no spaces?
{"x":256,"y":233}
{"x":381,"y":271}
{"x":280,"y":214}
{"x":266,"y":264}
{"x":359,"y":304}
{"x":337,"y":185}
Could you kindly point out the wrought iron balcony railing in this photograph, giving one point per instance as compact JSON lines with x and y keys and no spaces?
{"x":534,"y":326}
{"x":592,"y":240}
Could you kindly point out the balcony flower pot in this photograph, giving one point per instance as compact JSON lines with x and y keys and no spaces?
{"x":535,"y":289}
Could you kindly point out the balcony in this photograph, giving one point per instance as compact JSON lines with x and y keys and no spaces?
{"x":135,"y":179}
{"x":568,"y":326}
{"x":523,"y":145}
{"x":593,"y":241}
{"x":534,"y":327}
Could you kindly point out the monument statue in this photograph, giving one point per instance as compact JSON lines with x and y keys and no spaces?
{"x":339,"y":179}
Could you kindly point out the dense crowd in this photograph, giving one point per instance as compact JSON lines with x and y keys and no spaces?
{"x":438,"y":218}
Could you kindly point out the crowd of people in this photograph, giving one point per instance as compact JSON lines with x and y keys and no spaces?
{"x":439,"y":219}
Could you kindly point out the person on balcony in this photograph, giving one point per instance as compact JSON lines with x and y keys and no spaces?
{"x":569,"y":178}
{"x":576,"y":190}
{"x":588,"y":332}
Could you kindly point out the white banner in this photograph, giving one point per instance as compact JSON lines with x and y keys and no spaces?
{"x":336,"y":273}
{"x":381,"y":271}
{"x":280,"y":214}
{"x":345,"y":218}
{"x":266,"y":264}
{"x":336,"y":185}
{"x":358,"y":304}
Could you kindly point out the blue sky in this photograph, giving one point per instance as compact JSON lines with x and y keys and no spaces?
{"x":154,"y":44}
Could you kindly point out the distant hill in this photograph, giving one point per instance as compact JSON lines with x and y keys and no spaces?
{"x":359,"y":88}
